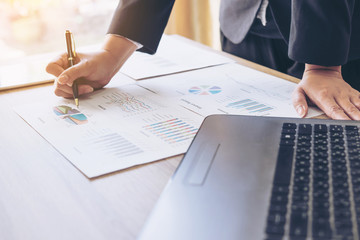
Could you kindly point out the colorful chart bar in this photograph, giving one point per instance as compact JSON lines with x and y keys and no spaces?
{"x":250,"y":105}
{"x":172,"y":131}
{"x":114,"y":144}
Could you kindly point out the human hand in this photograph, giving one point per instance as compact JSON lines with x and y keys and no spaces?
{"x":325,"y":87}
{"x":93,"y":70}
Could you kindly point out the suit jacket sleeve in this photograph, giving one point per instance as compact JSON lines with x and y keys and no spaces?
{"x":320,"y":31}
{"x":142,"y":21}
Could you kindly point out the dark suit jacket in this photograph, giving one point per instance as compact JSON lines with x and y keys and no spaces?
{"x":142,"y":21}
{"x":323,"y":32}
{"x":319,"y":32}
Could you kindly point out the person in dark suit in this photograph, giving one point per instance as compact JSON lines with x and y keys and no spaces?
{"x":318,"y":41}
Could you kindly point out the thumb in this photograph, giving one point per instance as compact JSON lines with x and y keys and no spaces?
{"x":82,"y":69}
{"x":299,"y":101}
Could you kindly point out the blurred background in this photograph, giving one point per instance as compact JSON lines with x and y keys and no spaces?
{"x":197,"y":20}
{"x":29,"y":27}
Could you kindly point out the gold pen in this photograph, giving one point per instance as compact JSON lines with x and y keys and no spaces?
{"x":71,"y":54}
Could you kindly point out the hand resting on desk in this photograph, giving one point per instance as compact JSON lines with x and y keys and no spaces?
{"x":95,"y":69}
{"x":326,"y":88}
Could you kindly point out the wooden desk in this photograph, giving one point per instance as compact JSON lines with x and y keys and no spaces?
{"x":42,"y":196}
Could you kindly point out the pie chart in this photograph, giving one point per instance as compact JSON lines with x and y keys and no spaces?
{"x":205,"y":90}
{"x":70,"y":115}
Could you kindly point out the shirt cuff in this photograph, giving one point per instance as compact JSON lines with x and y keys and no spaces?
{"x":138,"y":45}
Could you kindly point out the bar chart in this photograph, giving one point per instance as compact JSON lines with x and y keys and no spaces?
{"x":172,"y":131}
{"x":250,"y":106}
{"x":113,"y":145}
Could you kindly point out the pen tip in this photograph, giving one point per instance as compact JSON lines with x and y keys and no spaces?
{"x":77,"y":102}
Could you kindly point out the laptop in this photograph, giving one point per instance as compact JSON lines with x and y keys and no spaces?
{"x":247,"y":177}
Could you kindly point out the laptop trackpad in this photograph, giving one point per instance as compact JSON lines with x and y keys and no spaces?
{"x":201,"y":166}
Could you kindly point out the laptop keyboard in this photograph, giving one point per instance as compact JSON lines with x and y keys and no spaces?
{"x":316,"y":188}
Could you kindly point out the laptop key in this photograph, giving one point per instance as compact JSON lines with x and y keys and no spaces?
{"x":300,"y":198}
{"x":287,"y":136}
{"x":351,"y":128}
{"x":298,"y":208}
{"x":284,"y":165}
{"x":336,"y":135}
{"x":321,"y":204}
{"x":298,"y":224}
{"x":279,"y":198}
{"x":353,"y":144}
{"x":320,"y":128}
{"x":289,"y":126}
{"x":278,"y":208}
{"x":304,"y":138}
{"x":276,"y":218}
{"x":321,"y":228}
{"x":288,"y":131}
{"x":274,"y":229}
{"x":305,"y":129}
{"x":352,"y":138}
{"x":320,"y":135}
{"x":336,"y":128}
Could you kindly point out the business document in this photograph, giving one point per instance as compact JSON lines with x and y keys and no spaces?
{"x":173,"y":55}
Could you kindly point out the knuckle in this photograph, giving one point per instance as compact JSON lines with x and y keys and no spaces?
{"x":48,"y":68}
{"x":357,"y":104}
{"x":298,"y":95}
{"x":57,"y":92}
{"x":295,"y":95}
{"x":334,"y":109}
{"x":323,"y":94}
{"x":86,"y":63}
{"x":352,"y":109}
{"x":356,"y":100}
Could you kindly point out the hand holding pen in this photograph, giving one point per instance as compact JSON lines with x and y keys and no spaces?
{"x":91,"y":70}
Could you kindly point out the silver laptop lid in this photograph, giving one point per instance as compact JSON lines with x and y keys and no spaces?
{"x":222,"y":188}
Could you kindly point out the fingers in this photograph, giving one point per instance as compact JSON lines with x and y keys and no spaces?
{"x":300,"y":102}
{"x":57,"y":66}
{"x":66,"y":76}
{"x":350,"y":106}
{"x":355,"y":99}
{"x":81,"y":69}
{"x":333,"y":109}
{"x":66,"y":91}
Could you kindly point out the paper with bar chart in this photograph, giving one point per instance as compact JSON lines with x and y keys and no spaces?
{"x":114,"y":128}
{"x":228,"y":89}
